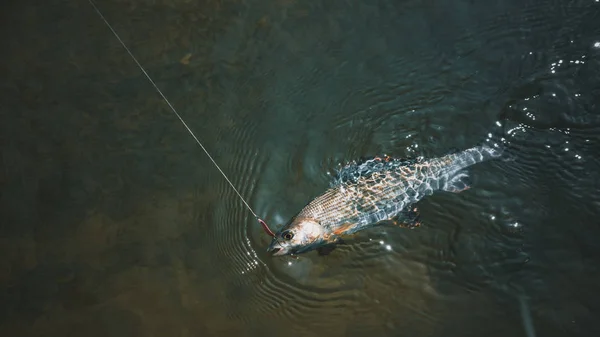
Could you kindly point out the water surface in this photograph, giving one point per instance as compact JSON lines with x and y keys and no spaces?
{"x":115,"y":223}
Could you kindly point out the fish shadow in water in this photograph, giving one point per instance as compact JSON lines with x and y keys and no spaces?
{"x":327,"y":249}
{"x":415,"y":222}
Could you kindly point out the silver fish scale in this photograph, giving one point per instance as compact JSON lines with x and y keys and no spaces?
{"x":378,"y":189}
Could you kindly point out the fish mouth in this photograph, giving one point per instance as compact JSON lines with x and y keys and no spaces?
{"x":276,"y":250}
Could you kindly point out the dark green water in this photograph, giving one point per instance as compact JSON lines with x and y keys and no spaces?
{"x":113,"y":222}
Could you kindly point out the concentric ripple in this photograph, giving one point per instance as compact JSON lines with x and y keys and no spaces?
{"x":364,"y":89}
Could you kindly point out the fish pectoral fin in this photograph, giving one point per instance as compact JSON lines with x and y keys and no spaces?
{"x":328,"y":248}
{"x":458,"y":183}
{"x":342,"y":229}
{"x":408,"y":218}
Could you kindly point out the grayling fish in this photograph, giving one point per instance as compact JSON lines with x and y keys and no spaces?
{"x":376,"y":191}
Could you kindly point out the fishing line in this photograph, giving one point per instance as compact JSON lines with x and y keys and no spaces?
{"x":262,"y":222}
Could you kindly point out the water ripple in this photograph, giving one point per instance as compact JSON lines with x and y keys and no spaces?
{"x":314,"y":113}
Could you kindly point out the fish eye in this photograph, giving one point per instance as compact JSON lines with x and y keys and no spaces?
{"x":288,"y":235}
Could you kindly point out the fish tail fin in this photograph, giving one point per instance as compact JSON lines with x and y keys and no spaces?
{"x":493,"y":146}
{"x":474,"y":155}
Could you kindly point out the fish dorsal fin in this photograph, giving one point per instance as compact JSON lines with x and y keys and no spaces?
{"x":365,"y":167}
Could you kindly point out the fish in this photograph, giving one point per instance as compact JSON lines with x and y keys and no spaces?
{"x":375,"y":191}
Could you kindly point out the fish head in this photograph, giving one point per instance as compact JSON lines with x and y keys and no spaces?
{"x":299,"y":236}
